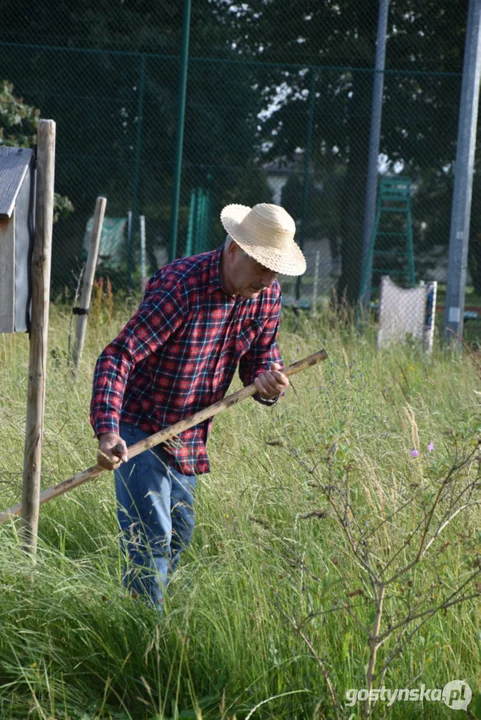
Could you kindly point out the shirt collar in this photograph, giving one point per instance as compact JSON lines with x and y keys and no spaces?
{"x":214,"y":272}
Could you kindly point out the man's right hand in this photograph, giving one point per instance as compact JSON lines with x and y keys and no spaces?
{"x":108,"y":455}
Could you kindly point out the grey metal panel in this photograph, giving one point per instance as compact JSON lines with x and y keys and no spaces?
{"x":14,"y":163}
{"x":7,"y":274}
{"x":24,"y":235}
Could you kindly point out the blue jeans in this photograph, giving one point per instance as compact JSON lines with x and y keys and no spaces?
{"x":156,"y":515}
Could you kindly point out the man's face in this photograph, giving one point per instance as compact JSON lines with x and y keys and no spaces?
{"x":247,"y":277}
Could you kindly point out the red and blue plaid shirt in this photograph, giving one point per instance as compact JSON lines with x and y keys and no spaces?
{"x":179,"y":352}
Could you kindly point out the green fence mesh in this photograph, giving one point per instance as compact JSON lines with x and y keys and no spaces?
{"x":278,"y":110}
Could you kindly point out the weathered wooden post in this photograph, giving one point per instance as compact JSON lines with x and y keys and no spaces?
{"x":83,"y":311}
{"x":42,"y":251}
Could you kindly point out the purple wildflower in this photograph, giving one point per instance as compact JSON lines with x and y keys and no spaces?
{"x":430,"y":447}
{"x":414,"y":452}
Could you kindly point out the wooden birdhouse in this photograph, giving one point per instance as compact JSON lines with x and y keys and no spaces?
{"x":17,"y":218}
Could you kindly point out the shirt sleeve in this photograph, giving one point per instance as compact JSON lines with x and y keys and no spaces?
{"x":157,"y":318}
{"x":263,"y":352}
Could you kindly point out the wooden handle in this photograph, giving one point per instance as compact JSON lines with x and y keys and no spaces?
{"x":305,"y":363}
{"x":163,"y":435}
{"x":212,"y":410}
{"x":118,"y":450}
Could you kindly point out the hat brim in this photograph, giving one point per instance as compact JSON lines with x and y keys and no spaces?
{"x":291,"y":262}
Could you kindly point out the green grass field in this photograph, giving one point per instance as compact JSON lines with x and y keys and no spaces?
{"x":272,"y":610}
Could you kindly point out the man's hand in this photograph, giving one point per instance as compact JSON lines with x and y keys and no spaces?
{"x":271,"y":383}
{"x":106,"y":457}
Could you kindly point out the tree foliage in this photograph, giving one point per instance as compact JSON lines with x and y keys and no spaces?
{"x":116,"y":105}
{"x":18,"y":121}
{"x":336,"y":42}
{"x":18,"y":128}
{"x":300,"y":69}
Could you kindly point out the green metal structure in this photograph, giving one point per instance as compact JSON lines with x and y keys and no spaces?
{"x":391,"y":249}
{"x":198,"y":229}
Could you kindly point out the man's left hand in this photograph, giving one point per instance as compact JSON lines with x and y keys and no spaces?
{"x":271,"y":383}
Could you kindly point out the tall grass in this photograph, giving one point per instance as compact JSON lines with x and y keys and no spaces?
{"x":255,"y":618}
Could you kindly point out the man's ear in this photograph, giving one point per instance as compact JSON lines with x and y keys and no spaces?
{"x":232,"y":249}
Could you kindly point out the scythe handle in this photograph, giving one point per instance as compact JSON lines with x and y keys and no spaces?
{"x":163,"y":435}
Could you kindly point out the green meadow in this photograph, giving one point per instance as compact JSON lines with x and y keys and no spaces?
{"x":338,"y":537}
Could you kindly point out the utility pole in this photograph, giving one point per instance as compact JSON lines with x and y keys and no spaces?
{"x":463,"y":176}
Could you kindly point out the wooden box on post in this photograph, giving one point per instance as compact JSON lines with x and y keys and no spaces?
{"x":17,"y":214}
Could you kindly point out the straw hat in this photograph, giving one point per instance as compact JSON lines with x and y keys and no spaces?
{"x":266,"y":233}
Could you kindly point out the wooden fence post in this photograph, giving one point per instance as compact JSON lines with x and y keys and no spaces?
{"x":88,"y":280}
{"x":42,"y":252}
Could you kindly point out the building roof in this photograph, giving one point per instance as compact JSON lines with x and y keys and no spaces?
{"x":14,"y":164}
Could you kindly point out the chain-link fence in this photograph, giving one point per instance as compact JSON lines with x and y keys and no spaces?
{"x":266,"y":121}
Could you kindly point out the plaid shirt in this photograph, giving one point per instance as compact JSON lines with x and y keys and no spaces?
{"x":179,"y":352}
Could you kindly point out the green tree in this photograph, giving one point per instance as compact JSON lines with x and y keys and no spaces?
{"x":18,"y":121}
{"x":241,"y":114}
{"x":420,"y":110}
{"x":116,"y":108}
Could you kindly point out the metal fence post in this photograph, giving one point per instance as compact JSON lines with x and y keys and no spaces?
{"x":198,"y":221}
{"x":191,"y":223}
{"x":184,"y":61}
{"x":129,"y":252}
{"x":463,"y":175}
{"x":374,"y":141}
{"x":307,"y":164}
{"x":137,"y":163}
{"x":143,"y":254}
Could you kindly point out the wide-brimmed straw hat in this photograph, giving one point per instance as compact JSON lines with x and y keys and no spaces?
{"x":266,"y":233}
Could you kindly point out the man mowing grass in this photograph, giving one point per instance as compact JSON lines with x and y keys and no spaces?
{"x":200,"y":318}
